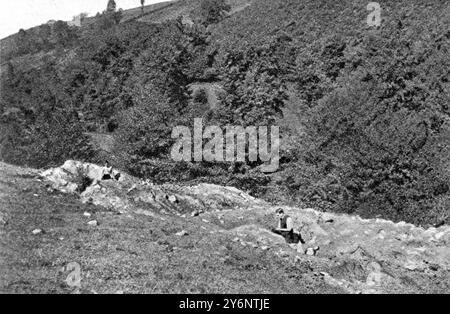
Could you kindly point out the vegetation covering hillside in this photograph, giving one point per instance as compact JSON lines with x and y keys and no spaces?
{"x":364,"y":110}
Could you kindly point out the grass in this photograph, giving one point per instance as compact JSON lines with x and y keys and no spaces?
{"x":128,"y":253}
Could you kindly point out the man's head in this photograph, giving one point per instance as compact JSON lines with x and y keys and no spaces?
{"x":280,"y":213}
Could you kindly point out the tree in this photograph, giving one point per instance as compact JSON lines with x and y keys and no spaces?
{"x":111,"y":6}
{"x":213,"y":11}
{"x":255,"y":92}
{"x":63,"y":34}
{"x":142,"y":6}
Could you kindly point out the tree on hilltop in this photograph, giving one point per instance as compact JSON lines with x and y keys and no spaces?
{"x":111,"y":6}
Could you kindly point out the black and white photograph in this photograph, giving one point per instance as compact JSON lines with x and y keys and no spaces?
{"x":230,"y":154}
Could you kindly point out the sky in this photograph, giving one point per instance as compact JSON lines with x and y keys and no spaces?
{"x":17,"y":14}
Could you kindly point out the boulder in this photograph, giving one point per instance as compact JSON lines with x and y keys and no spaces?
{"x":173,"y":199}
{"x":181,"y":233}
{"x":2,"y":220}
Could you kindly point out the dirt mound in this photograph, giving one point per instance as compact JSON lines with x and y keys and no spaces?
{"x":128,"y":193}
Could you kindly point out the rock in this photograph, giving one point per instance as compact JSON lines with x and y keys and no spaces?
{"x":413,"y":265}
{"x":381,"y":234}
{"x":265,"y":248}
{"x":326,"y":218}
{"x":374,"y":279}
{"x":312,"y":251}
{"x":236,"y":240}
{"x":440,"y":235}
{"x":181,"y":233}
{"x":284,"y":254}
{"x":37,"y":231}
{"x":86,"y":214}
{"x":173,"y":199}
{"x":195,"y":214}
{"x":375,"y":276}
{"x":134,"y":187}
{"x":93,"y":223}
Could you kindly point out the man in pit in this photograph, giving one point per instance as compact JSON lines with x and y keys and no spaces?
{"x":286,"y":229}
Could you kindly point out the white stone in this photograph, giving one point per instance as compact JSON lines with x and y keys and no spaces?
{"x":173,"y":199}
{"x":181,"y":233}
{"x":440,"y":235}
{"x":93,"y":223}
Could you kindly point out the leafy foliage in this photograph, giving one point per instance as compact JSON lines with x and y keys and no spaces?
{"x":213,"y":11}
{"x":363,"y":111}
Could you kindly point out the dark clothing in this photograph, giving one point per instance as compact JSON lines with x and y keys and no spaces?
{"x":290,"y":236}
{"x":283,"y":222}
{"x":106,"y":177}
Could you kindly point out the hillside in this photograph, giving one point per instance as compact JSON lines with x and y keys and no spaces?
{"x":147,"y":240}
{"x":130,"y":252}
{"x":152,"y":14}
{"x":363,"y":110}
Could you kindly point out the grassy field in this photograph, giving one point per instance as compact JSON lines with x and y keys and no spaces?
{"x":129,"y":253}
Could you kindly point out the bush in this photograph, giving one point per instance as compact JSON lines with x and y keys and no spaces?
{"x":82,"y":181}
{"x":200,"y":97}
{"x":52,"y":139}
{"x":213,"y":11}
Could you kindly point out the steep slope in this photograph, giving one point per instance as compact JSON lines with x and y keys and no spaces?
{"x":362,"y":101}
{"x":312,"y":22}
{"x":143,"y":227}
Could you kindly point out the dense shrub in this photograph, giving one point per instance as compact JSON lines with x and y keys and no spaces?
{"x":51,"y":139}
{"x":213,"y":11}
{"x":363,"y":111}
